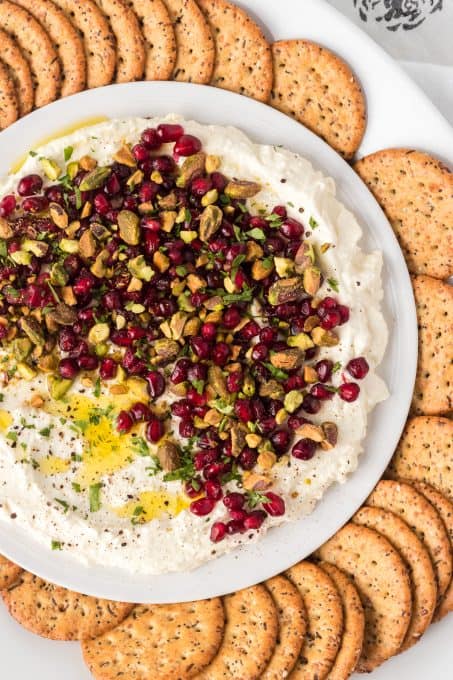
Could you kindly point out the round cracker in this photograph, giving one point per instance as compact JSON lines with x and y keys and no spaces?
{"x":37,"y":47}
{"x":445,"y":509}
{"x":9,"y":572}
{"x":403,"y":500}
{"x":425,"y":453}
{"x":163,"y":641}
{"x":130,"y":44}
{"x":66,"y":39}
{"x":160,"y":43}
{"x":251,"y":628}
{"x":98,"y":39}
{"x":292,"y":626}
{"x":59,"y":614}
{"x":415,"y":191}
{"x":195,"y":49}
{"x":418,"y":561}
{"x":9,"y":107}
{"x":324,"y":621}
{"x":433,"y":393}
{"x":20,"y":72}
{"x":243,"y":59}
{"x":318,"y":89}
{"x":383,"y":583}
{"x":354,"y":624}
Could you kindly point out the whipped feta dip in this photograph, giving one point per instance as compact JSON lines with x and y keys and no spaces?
{"x":43,"y":472}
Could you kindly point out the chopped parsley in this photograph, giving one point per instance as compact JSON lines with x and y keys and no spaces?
{"x":181,"y":270}
{"x":12,"y":436}
{"x":333,"y":283}
{"x":45,"y":432}
{"x":222,"y":406}
{"x":313,"y":223}
{"x":238,"y":260}
{"x":138,"y":512}
{"x":255,"y":498}
{"x":77,"y":488}
{"x":63,"y":504}
{"x":94,"y":495}
{"x":275,"y":372}
{"x":67,"y":152}
{"x":198,"y":385}
{"x":257,"y":234}
{"x":245,"y":296}
{"x":97,"y":388}
{"x":336,"y":367}
{"x":140,"y":446}
{"x":55,"y":545}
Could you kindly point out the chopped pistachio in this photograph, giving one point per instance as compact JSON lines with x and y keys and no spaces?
{"x":87,"y":244}
{"x":21,"y":257}
{"x":287,"y":359}
{"x":253,"y":440}
{"x":88,"y":163}
{"x":272,"y":389}
{"x":72,"y":229}
{"x":305,"y":257}
{"x":168,"y":202}
{"x":51,"y":168}
{"x":195,"y":282}
{"x":135,"y":178}
{"x":213,"y":417}
{"x":86,"y":210}
{"x":188,"y":235}
{"x":286,"y":290}
{"x":95,"y":178}
{"x":212,"y":163}
{"x":68,"y":296}
{"x":100,"y":232}
{"x":192,"y":327}
{"x":58,"y":215}
{"x":312,"y":280}
{"x":161,"y":261}
{"x":210,"y":221}
{"x":242,"y":189}
{"x":262,"y":268}
{"x":185,"y":304}
{"x":229,"y":285}
{"x":168,"y":219}
{"x":25,"y":371}
{"x":255,"y":482}
{"x":281,"y":416}
{"x":311,"y":322}
{"x":324,"y":338}
{"x":134,"y":285}
{"x":33,"y":330}
{"x":169,"y":456}
{"x":48,"y":363}
{"x":310,"y":374}
{"x":125,"y":157}
{"x":37,"y":248}
{"x":253,"y":251}
{"x":21,"y":348}
{"x":72,"y":169}
{"x":209,"y":198}
{"x":129,"y":227}
{"x":192,"y":166}
{"x":310,"y":431}
{"x":5,"y":229}
{"x":58,"y":386}
{"x":156,"y":177}
{"x":99,"y":268}
{"x":166,"y":330}
{"x":68,"y":245}
{"x":283,"y":266}
{"x":98,"y":333}
{"x":166,"y":349}
{"x":238,"y":435}
{"x":248,"y":386}
{"x":62,"y":315}
{"x":301,"y":340}
{"x":330,"y":431}
{"x":140,"y":269}
{"x":267,"y":460}
{"x":293,"y":400}
{"x":217,"y":381}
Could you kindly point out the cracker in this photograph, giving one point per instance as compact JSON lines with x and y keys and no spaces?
{"x":421,"y":516}
{"x":194,"y":42}
{"x":169,"y":642}
{"x":292,"y":625}
{"x":9,"y":572}
{"x":354,"y":624}
{"x":383,"y":583}
{"x":67,"y":42}
{"x":318,"y":89}
{"x":251,"y":628}
{"x":243,"y":59}
{"x":415,"y":191}
{"x":324,"y":621}
{"x":445,"y":509}
{"x":418,"y":562}
{"x":160,"y":43}
{"x":20,"y":72}
{"x":98,"y":39}
{"x":130,"y":44}
{"x":425,"y":453}
{"x":37,"y":48}
{"x":9,"y":107}
{"x":433,"y":393}
{"x":59,"y":614}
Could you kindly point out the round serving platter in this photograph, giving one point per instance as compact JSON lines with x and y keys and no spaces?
{"x":283,"y":546}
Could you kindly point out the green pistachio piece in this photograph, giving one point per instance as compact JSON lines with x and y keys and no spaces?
{"x":301,"y":340}
{"x":324,"y":338}
{"x":192,"y":166}
{"x":21,"y":257}
{"x":210,"y":220}
{"x":51,"y":169}
{"x":95,"y":178}
{"x":37,"y":248}
{"x":25,"y":371}
{"x":217,"y":381}
{"x":262,"y":268}
{"x":283,"y":266}
{"x":293,"y":400}
{"x":287,"y":359}
{"x":272,"y":389}
{"x":209,"y":198}
{"x":305,"y":256}
{"x":140,"y":269}
{"x":62,"y":315}
{"x":99,"y":268}
{"x":6,"y":230}
{"x":129,"y":227}
{"x":32,"y":329}
{"x":188,"y":236}
{"x":242,"y":189}
{"x":98,"y":333}
{"x":312,"y":280}
{"x":58,"y":386}
{"x":72,"y":169}
{"x":248,"y":386}
{"x":286,"y":290}
{"x":185,"y":304}
{"x":69,"y":245}
{"x":21,"y":348}
{"x":166,"y":349}
{"x":169,"y":456}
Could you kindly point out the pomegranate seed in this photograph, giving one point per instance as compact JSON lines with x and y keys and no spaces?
{"x":324,"y":370}
{"x":260,"y":352}
{"x":187,"y":145}
{"x":209,"y":331}
{"x":151,"y":223}
{"x":247,"y":458}
{"x":280,"y":440}
{"x":200,"y":347}
{"x":163,"y":164}
{"x":130,"y":203}
{"x":349,"y":391}
{"x":152,"y":242}
{"x":121,"y":338}
{"x":220,"y":354}
{"x":213,"y":489}
{"x":304,"y":449}
{"x":218,"y":532}
{"x":194,"y":398}
{"x":321,"y":392}
{"x":68,"y":369}
{"x":87,"y":362}
{"x":181,"y":409}
{"x":234,"y":381}
{"x":156,"y":383}
{"x":294,"y":422}
{"x":67,"y":340}
{"x":243,"y":410}
{"x":266,"y":425}
{"x":140,"y":152}
{"x":186,"y":428}
{"x":108,"y":368}
{"x":219,"y":181}
{"x":343,"y":312}
{"x":358,"y":368}
{"x":234,"y":500}
{"x":202,"y":507}
{"x":193,"y":487}
{"x":35,"y":204}
{"x":83,"y":285}
{"x":150,"y":138}
{"x":268,"y":335}
{"x":169,"y":132}
{"x":234,"y":527}
{"x":231,"y":317}
{"x":140,"y":411}
{"x":33,"y":296}
{"x":331,"y":319}
{"x":201,"y":185}
{"x":205,"y":458}
{"x":310,"y":404}
{"x":148,"y":192}
{"x":154,"y":430}
{"x":29,"y":185}
{"x":254,"y":519}
{"x":250,"y":330}
{"x":112,"y":186}
{"x":136,"y":332}
{"x":329,"y":303}
{"x":7,"y":205}
{"x":280,"y":210}
{"x":238,"y":515}
{"x":275,"y":505}
{"x":292,"y":229}
{"x":180,"y":371}
{"x":101,"y":204}
{"x":124,"y":422}
{"x":294,"y":382}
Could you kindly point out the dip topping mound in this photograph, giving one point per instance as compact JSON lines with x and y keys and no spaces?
{"x":158,"y":266}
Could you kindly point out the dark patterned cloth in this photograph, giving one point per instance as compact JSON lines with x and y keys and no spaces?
{"x":397,"y":14}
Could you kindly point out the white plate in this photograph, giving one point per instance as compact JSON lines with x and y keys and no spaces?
{"x":283,"y":546}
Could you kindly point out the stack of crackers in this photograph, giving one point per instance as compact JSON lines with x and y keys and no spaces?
{"x":373,"y":589}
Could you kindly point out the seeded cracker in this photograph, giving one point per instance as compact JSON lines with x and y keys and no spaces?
{"x":318,"y":89}
{"x":66,"y":40}
{"x":433,"y":393}
{"x":354,"y":624}
{"x":415,"y":191}
{"x":130,"y":44}
{"x":37,"y":48}
{"x":99,"y":41}
{"x":243,"y":61}
{"x":425,"y":453}
{"x":194,"y":42}
{"x":292,"y":626}
{"x":169,"y":642}
{"x":324,"y":621}
{"x":251,"y":627}
{"x":59,"y":614}
{"x":9,"y":572}
{"x":416,"y":556}
{"x":9,"y":108}
{"x":383,"y":584}
{"x":445,"y":509}
{"x":421,"y":516}
{"x":160,"y":43}
{"x":20,"y":72}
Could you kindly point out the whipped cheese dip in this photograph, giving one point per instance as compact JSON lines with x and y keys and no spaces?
{"x":52,"y":455}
